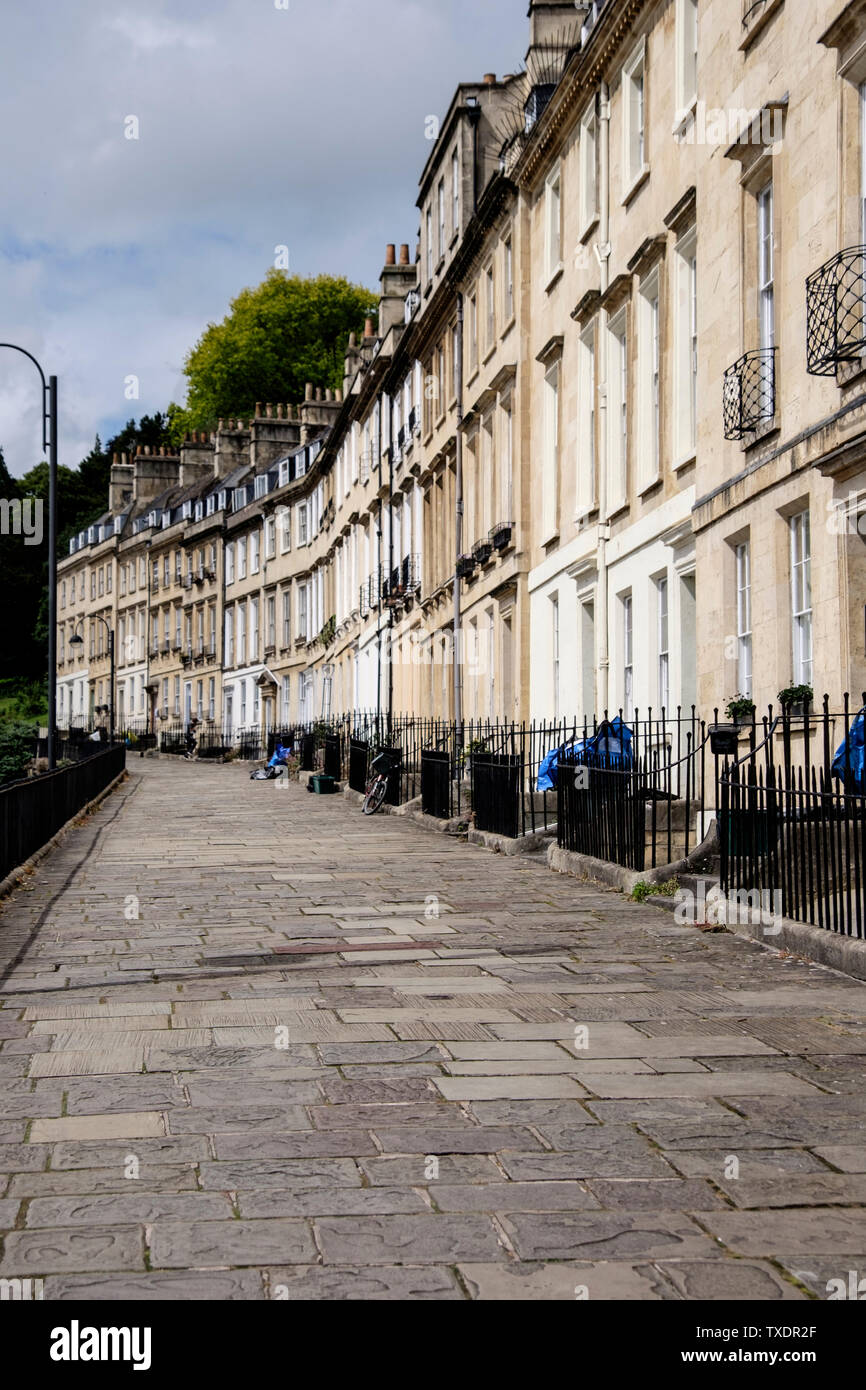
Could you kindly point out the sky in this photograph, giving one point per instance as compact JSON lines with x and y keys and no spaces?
{"x":259,"y":123}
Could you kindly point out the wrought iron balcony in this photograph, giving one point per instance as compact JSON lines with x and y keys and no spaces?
{"x":836,"y":312}
{"x":500,"y":534}
{"x":482,"y":550}
{"x":465,"y":566}
{"x":749,"y":396}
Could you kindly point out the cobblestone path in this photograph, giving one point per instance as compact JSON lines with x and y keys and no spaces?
{"x":254,"y":1045}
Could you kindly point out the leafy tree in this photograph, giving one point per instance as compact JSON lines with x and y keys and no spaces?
{"x":17,"y":747}
{"x":276,"y":338}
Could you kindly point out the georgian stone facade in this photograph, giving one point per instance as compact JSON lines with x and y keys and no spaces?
{"x":586,"y":434}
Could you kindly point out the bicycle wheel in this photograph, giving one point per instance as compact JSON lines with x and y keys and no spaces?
{"x":375,"y":796}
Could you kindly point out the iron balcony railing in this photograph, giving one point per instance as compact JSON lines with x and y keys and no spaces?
{"x":749,"y":396}
{"x":401,"y":581}
{"x":836,"y":312}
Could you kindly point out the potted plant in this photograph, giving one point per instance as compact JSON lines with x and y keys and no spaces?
{"x":475,"y":745}
{"x":740,"y":711}
{"x":795,"y":700}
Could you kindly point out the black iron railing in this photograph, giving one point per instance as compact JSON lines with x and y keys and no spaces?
{"x":836,"y":312}
{"x":640,"y":807}
{"x":32,"y":812}
{"x":749,"y":394}
{"x":792,"y":822}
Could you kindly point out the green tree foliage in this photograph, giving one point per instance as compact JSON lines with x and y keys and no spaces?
{"x":276,"y":338}
{"x":17,"y":747}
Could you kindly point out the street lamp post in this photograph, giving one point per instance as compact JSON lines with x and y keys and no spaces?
{"x":78,"y":641}
{"x":49,"y":441}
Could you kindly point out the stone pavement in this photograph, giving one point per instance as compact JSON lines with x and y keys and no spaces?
{"x":254,"y":1045}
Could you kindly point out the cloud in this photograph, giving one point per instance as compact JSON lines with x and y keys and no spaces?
{"x":258,"y":127}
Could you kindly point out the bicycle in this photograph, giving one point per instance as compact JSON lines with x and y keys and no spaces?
{"x":381,"y":768}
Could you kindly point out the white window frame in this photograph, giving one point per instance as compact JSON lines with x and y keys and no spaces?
{"x":634,"y":127}
{"x":428,"y":223}
{"x":687,"y":58}
{"x":663,"y":642}
{"x":553,"y":224}
{"x":686,"y":349}
{"x":649,"y":387}
{"x":765,"y":202}
{"x":618,"y":404}
{"x":627,"y":617}
{"x":585,"y":491}
{"x":455,"y":192}
{"x":550,"y":460}
{"x":230,"y":563}
{"x":588,"y":168}
{"x":801,"y":597}
{"x":743,"y":562}
{"x":508,"y":280}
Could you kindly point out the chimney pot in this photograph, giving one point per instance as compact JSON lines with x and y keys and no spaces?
{"x":308,"y":392}
{"x":404,"y":253}
{"x":490,"y":79}
{"x":258,"y":409}
{"x":318,"y":393}
{"x":220,"y":424}
{"x":269,"y":410}
{"x":279,"y":410}
{"x":352,"y":340}
{"x":368,"y":328}
{"x":390,"y":254}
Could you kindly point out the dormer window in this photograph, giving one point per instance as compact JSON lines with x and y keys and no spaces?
{"x":262,"y":486}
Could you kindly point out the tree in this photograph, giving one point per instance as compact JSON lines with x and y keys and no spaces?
{"x":276,"y":338}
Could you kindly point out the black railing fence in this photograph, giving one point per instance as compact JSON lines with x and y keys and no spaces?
{"x":638,"y":801}
{"x":792,"y":819}
{"x":31,"y":812}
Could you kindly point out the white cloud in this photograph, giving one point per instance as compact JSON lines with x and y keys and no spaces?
{"x":258,"y":127}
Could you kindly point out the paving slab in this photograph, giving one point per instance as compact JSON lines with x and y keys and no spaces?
{"x":543,"y":1095}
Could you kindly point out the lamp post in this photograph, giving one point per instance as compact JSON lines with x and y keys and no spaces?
{"x":49,"y":441}
{"x":76,"y":640}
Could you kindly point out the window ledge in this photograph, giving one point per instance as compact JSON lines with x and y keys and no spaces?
{"x":684,"y":118}
{"x":650,"y":485}
{"x":761,"y":434}
{"x":687,"y":461}
{"x":589,"y":228}
{"x":551,"y":539}
{"x":756,"y":26}
{"x":554,"y":277}
{"x":850,"y":371}
{"x":491,"y":352}
{"x":636,"y":185}
{"x":617,"y":509}
{"x":508,"y":327}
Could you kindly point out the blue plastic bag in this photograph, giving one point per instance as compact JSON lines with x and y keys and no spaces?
{"x":609,"y":747}
{"x":848,"y":762}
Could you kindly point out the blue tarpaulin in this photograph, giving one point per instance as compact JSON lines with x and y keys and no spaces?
{"x":848,"y":762}
{"x":609,"y":747}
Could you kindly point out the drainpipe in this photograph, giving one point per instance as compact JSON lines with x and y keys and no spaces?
{"x":392,"y":437}
{"x":602,"y":251}
{"x":458,"y":513}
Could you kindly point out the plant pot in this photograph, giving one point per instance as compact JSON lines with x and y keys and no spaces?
{"x":796,"y":710}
